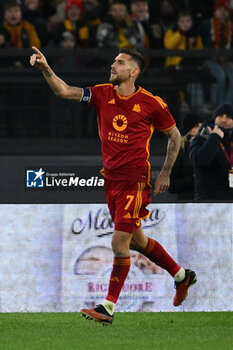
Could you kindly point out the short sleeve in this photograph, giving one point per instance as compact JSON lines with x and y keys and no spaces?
{"x":94,"y":96}
{"x":161,"y":116}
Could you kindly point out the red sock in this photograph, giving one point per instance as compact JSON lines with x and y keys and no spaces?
{"x":156,"y":253}
{"x":121,"y":266}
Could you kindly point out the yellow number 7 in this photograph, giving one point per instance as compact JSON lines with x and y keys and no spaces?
{"x":130,"y":198}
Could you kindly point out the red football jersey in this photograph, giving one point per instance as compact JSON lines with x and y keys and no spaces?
{"x":126,"y":125}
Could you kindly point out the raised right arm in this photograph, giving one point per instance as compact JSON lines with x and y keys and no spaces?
{"x":59,"y":87}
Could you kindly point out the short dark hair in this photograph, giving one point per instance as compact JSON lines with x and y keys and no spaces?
{"x":134,"y":1}
{"x":11,"y":3}
{"x":117,"y":2}
{"x":136,"y":56}
{"x":184,"y":13}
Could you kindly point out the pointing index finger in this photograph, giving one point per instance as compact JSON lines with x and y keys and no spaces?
{"x":36,"y":50}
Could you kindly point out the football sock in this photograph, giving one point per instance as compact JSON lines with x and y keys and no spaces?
{"x":156,"y":253}
{"x":180,"y":275}
{"x":109,"y":306}
{"x":121,"y":266}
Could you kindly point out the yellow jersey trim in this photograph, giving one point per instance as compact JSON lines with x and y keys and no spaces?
{"x":146,"y":216}
{"x":148,"y":154}
{"x":106,"y":84}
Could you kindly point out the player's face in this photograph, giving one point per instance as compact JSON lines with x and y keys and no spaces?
{"x":121,"y":69}
{"x":224,"y":121}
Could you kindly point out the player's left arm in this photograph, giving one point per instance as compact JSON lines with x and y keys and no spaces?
{"x":162,"y":182}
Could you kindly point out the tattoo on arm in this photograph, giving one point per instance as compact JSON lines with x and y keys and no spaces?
{"x":48,"y":74}
{"x":173,"y":148}
{"x":60,"y":88}
{"x":75,"y":92}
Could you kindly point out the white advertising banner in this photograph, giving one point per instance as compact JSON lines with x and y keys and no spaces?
{"x":87,"y":260}
{"x":30,"y":251}
{"x":59,"y":258}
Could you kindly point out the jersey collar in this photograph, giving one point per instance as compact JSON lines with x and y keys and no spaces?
{"x":127,"y":97}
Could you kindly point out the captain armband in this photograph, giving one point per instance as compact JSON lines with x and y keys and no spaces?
{"x":86,"y":95}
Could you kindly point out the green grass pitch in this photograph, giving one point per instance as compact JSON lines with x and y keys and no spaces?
{"x":129,"y":331}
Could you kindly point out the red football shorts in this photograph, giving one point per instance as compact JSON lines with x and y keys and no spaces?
{"x":127,"y":201}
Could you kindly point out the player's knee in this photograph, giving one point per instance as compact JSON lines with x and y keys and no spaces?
{"x":118,"y":251}
{"x":138,"y":242}
{"x":117,"y":246}
{"x":120,"y":244}
{"x":134,"y":245}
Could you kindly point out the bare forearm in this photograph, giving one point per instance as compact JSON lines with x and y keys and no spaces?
{"x":59,"y":87}
{"x":56,"y":84}
{"x":173,"y":148}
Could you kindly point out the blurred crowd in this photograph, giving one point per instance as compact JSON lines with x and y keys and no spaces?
{"x":139,"y":24}
{"x":131,"y":23}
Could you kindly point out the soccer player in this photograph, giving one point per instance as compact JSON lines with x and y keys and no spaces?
{"x":127,"y":116}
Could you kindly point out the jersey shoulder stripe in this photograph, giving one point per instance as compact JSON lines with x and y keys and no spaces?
{"x":107,"y":84}
{"x":144,"y":91}
{"x":161,"y":102}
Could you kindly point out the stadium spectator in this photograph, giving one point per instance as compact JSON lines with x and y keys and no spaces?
{"x":182,"y":175}
{"x":92,"y":16}
{"x":200,"y":9}
{"x":73,"y":24}
{"x":217,"y":33}
{"x":67,"y":62}
{"x":58,"y":14}
{"x":184,"y":36}
{"x":140,"y":10}
{"x":140,"y":13}
{"x":211,"y":152}
{"x":164,"y":14}
{"x":18,"y":31}
{"x":49,"y":8}
{"x":119,"y":30}
{"x":32,"y":13}
{"x":127,"y":115}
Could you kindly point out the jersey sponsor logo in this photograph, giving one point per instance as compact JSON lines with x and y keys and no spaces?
{"x":136,"y":108}
{"x":112,"y":102}
{"x":120,"y":122}
{"x":117,"y":137}
{"x":127,"y":216}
